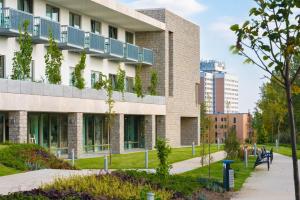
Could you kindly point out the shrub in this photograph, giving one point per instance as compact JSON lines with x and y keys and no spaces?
{"x":153,"y":84}
{"x":120,"y":84}
{"x":138,"y":86}
{"x":77,"y":76}
{"x":163,"y":151}
{"x":232,"y":145}
{"x":30,"y":157}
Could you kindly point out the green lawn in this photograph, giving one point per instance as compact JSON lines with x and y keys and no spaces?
{"x":241,"y":173}
{"x":137,"y":160}
{"x":4,"y":171}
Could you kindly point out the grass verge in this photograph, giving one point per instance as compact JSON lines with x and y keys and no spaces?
{"x":4,"y":171}
{"x":137,"y":160}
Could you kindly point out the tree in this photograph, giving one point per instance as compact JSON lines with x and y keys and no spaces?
{"x":53,"y":61}
{"x":163,"y":151}
{"x":138,"y":86}
{"x":153,"y":84}
{"x":271,"y":41}
{"x":120,"y":83}
{"x":77,"y":78}
{"x":204,"y":132}
{"x":232,"y":145}
{"x":22,"y":58}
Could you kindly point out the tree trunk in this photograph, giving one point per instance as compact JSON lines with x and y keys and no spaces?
{"x":293,"y":137}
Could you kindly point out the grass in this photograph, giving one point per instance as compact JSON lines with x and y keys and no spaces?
{"x":137,"y":160}
{"x":4,"y":171}
{"x":241,"y":173}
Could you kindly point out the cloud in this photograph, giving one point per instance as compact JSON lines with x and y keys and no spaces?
{"x":221,"y":27}
{"x":185,"y":8}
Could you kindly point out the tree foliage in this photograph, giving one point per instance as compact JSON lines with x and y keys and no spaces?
{"x":138,"y":86}
{"x":77,"y":76}
{"x":22,"y":58}
{"x":120,"y":83}
{"x":163,"y":151}
{"x":271,"y":41}
{"x":53,"y":61}
{"x":153,"y":83}
{"x":232,"y":145}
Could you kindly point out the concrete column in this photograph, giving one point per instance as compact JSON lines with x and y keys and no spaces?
{"x":117,"y":134}
{"x":161,"y":126}
{"x":150,"y":132}
{"x":18,"y":126}
{"x":75,"y":123}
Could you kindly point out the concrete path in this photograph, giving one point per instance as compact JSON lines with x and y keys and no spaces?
{"x":34,"y":179}
{"x":276,"y":184}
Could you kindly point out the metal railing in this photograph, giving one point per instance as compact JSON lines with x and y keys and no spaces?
{"x":132,"y":52}
{"x":148,"y":57}
{"x":72,"y":36}
{"x":116,"y":48}
{"x":43,"y":27}
{"x":14,"y":20}
{"x":95,"y":42}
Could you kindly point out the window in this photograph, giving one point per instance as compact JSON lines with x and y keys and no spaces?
{"x":25,"y":5}
{"x":113,"y":32}
{"x":52,"y":13}
{"x":95,"y":27}
{"x":1,"y":4}
{"x":32,"y":70}
{"x":95,"y":77}
{"x":2,"y":67}
{"x":129,"y":37}
{"x":234,"y":120}
{"x":129,"y":84}
{"x":75,"y":20}
{"x":71,"y":76}
{"x":113,"y":79}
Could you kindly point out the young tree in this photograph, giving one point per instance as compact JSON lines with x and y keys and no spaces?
{"x":138,"y":86}
{"x":204,"y":133}
{"x":120,"y":84}
{"x":153,"y":84}
{"x":78,"y":79}
{"x":53,"y":61}
{"x":232,"y":144}
{"x":271,"y":41}
{"x":22,"y":58}
{"x":163,"y":151}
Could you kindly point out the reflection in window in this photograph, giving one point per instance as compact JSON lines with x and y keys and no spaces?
{"x":25,"y":5}
{"x":129,"y":37}
{"x":75,"y":20}
{"x":52,"y":13}
{"x":95,"y":27}
{"x":113,"y":32}
{"x":130,"y":84}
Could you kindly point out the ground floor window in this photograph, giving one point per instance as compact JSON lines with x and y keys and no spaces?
{"x":134,"y":132}
{"x":95,"y":133}
{"x":4,"y":137}
{"x":2,"y":66}
{"x":49,"y":131}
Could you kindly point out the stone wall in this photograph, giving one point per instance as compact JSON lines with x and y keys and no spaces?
{"x":75,"y":123}
{"x":189,"y":131}
{"x":117,"y":134}
{"x":18,"y":126}
{"x":150,"y":132}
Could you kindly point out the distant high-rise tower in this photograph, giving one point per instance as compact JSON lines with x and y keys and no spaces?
{"x":219,"y":90}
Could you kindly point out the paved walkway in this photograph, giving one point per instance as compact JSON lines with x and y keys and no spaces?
{"x":276,"y":184}
{"x":34,"y":179}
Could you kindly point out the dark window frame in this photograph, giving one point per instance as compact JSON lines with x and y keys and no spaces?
{"x":52,"y":9}
{"x":93,"y":26}
{"x":2,"y":62}
{"x":21,"y":6}
{"x":72,"y":20}
{"x":127,"y":37}
{"x":111,"y":34}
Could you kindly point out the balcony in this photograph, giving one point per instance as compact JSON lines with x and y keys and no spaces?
{"x":146,"y":56}
{"x":12,"y":20}
{"x":42,"y":29}
{"x":131,"y":53}
{"x":72,"y":39}
{"x":115,"y":50}
{"x":95,"y":44}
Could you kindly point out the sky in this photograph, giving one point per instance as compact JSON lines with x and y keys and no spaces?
{"x":215,"y":18}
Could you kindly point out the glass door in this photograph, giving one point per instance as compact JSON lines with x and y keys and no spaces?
{"x":54,"y":132}
{"x":33,"y":130}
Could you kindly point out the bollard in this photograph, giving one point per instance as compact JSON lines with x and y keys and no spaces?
{"x":150,"y":196}
{"x":73,"y":157}
{"x":218,"y":142}
{"x":254,"y":149}
{"x":193,"y":149}
{"x":105,"y":163}
{"x":277,"y":144}
{"x":146,"y":158}
{"x":246,"y":157}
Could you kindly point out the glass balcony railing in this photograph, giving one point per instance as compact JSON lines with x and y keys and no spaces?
{"x":72,"y":38}
{"x":131,"y":53}
{"x":94,"y":43}
{"x":11,"y":21}
{"x":146,"y":56}
{"x":42,"y":29}
{"x":115,"y":48}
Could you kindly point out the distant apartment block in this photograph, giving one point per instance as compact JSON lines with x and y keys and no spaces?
{"x":218,"y":89}
{"x":63,"y":118}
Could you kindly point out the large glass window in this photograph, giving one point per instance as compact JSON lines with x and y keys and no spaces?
{"x":1,"y":4}
{"x":75,"y":20}
{"x":113,"y":32}
{"x":95,"y":133}
{"x":52,"y":13}
{"x":95,"y":27}
{"x":25,"y":5}
{"x":2,"y":66}
{"x":130,"y":84}
{"x":129,"y":37}
{"x":134,"y":132}
{"x":113,"y":79}
{"x":95,"y":77}
{"x":49,"y":130}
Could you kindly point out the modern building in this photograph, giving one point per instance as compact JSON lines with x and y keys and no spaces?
{"x":222,"y":124}
{"x":219,"y":89}
{"x":62,"y":117}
